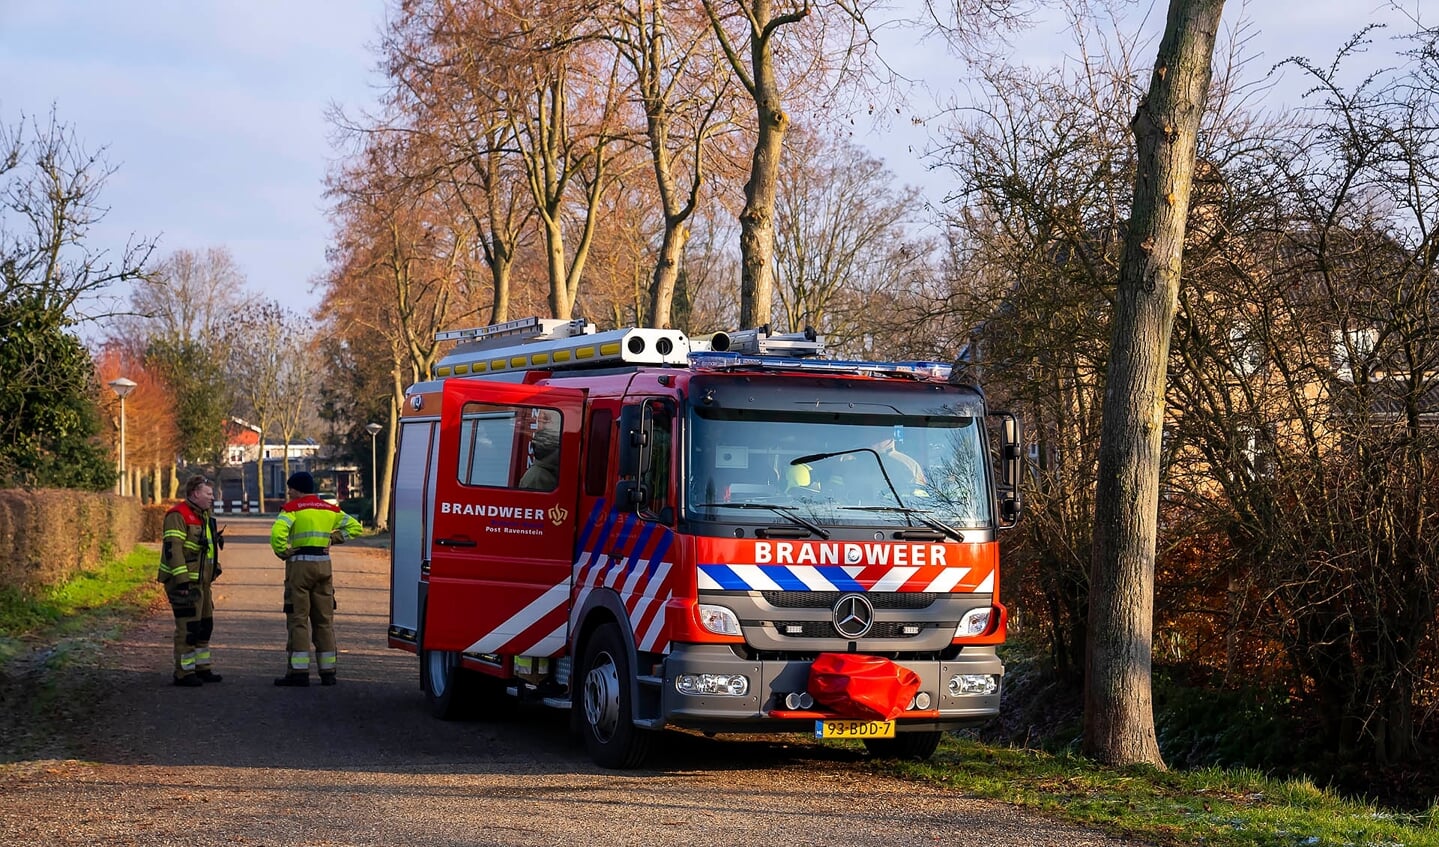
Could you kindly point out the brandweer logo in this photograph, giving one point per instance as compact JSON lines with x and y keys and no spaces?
{"x":484,"y":511}
{"x":858,"y":554}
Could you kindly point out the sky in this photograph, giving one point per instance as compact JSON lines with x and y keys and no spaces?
{"x":213,"y":111}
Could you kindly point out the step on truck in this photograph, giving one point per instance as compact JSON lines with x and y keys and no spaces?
{"x":731,"y":534}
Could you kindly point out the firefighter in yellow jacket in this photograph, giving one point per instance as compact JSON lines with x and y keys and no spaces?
{"x":189,"y":562}
{"x":302,"y":536}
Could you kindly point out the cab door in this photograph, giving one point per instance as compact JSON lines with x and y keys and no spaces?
{"x":502,"y":550}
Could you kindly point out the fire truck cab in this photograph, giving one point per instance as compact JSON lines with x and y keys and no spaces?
{"x":653,"y":531}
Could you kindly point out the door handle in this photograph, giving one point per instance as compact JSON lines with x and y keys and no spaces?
{"x":455,"y":542}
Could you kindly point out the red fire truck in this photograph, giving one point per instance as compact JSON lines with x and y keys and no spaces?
{"x":728,"y":534}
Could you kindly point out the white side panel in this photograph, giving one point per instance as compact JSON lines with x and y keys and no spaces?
{"x":413,"y":521}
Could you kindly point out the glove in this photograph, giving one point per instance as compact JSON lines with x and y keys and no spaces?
{"x":180,"y":594}
{"x":220,"y":539}
{"x":338,"y":537}
{"x":285,"y":555}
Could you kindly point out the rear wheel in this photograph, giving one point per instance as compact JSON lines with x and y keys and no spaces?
{"x":606,"y":705}
{"x":916,"y":746}
{"x":446,"y":684}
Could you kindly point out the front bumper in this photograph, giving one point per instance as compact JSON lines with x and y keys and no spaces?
{"x":762,"y":709}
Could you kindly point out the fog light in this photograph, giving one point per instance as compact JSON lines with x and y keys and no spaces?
{"x":922,"y":700}
{"x":797,"y":701}
{"x":973,"y":683}
{"x":732,"y":685}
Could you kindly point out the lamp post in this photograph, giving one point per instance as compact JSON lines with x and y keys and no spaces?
{"x":373,"y":429}
{"x":122,"y":388}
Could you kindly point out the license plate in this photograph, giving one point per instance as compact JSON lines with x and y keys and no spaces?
{"x":854,"y":729}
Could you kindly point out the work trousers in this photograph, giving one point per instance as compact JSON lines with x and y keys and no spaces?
{"x":194,"y":624}
{"x":310,"y":613}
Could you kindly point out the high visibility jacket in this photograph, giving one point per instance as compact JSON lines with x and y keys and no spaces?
{"x":187,"y":545}
{"x":305,"y":526}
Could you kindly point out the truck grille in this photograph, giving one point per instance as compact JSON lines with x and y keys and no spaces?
{"x":825,"y":629}
{"x":827,"y":599}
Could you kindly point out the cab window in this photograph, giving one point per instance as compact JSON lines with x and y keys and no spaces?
{"x":505,"y":446}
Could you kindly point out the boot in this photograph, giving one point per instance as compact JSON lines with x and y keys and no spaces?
{"x":189,"y":680}
{"x":207,"y":675}
{"x":327,"y":678}
{"x":297,"y":680}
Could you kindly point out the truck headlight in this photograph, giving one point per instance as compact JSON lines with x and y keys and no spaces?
{"x":733,"y":685}
{"x":974,"y":622}
{"x":719,"y":620}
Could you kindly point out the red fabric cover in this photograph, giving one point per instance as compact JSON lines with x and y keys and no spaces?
{"x":864,"y":687}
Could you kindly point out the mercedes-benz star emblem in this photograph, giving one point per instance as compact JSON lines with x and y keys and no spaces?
{"x":853,"y":616}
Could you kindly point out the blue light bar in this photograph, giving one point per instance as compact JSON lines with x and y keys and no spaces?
{"x":937,"y":371}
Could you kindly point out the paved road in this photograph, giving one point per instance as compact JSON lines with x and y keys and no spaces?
{"x":363,"y":763}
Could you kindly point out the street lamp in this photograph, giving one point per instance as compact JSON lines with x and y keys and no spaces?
{"x":373,"y":429}
{"x":122,"y":388}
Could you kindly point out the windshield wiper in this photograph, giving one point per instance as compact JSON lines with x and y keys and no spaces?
{"x":817,"y":457}
{"x":921,"y":515}
{"x":783,"y":511}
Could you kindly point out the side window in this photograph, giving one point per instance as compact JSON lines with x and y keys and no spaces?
{"x":602,"y":425}
{"x":509,"y":446}
{"x":657,"y":473}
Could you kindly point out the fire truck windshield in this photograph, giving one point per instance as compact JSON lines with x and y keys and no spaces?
{"x":838,"y":469}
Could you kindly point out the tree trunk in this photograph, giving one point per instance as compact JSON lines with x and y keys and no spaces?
{"x":1118,"y":703}
{"x":756,"y":239}
{"x":667,"y":273}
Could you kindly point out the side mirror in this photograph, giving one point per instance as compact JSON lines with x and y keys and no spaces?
{"x":630,"y":495}
{"x":1011,"y":465}
{"x":631,"y":441}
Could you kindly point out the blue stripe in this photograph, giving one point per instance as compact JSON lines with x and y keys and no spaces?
{"x":666,"y":539}
{"x":589,"y":526}
{"x":637,"y":552}
{"x":727,"y":579}
{"x":839,"y":579}
{"x":780,"y":575}
{"x":784,"y":578}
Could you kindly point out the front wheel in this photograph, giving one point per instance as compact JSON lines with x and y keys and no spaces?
{"x":606,"y":704}
{"x":913,"y":746}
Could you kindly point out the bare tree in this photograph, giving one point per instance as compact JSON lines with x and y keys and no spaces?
{"x":750,"y":34}
{"x":259,"y":351}
{"x":50,"y":200}
{"x":686,"y":105}
{"x":1119,"y":714}
{"x":843,"y":245}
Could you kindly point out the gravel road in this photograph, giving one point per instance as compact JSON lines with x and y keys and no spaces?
{"x":363,"y":763}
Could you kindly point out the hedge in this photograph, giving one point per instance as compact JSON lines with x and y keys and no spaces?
{"x":47,"y":535}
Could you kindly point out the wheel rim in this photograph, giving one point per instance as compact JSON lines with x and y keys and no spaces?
{"x":439,"y":675}
{"x":602,"y":697}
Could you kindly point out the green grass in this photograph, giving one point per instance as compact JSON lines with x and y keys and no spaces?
{"x":1217,"y":808}
{"x":119,"y":586}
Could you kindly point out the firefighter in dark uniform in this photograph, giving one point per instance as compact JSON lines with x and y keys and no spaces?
{"x":302,"y":536}
{"x":189,"y":562}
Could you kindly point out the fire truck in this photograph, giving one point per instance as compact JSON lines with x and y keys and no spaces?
{"x":729,"y":534}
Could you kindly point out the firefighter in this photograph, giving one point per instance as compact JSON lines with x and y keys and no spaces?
{"x":189,"y":562}
{"x":543,"y":473}
{"x":302,"y":536}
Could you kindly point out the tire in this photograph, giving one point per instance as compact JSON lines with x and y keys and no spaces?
{"x":447,"y":686}
{"x":912,"y":746}
{"x":606,"y":706}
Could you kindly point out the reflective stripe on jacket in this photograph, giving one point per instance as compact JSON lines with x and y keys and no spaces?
{"x":187,"y":544}
{"x":307,"y":522}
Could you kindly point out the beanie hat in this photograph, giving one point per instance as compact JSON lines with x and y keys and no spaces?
{"x":302,"y":482}
{"x":545,"y":443}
